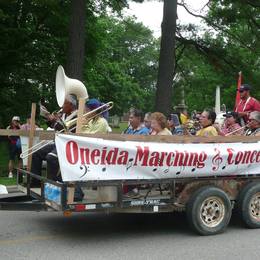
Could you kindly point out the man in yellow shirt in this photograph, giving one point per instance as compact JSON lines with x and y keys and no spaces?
{"x":98,"y":124}
{"x":207,"y":119}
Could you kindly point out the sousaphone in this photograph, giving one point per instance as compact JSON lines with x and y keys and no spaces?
{"x":66,"y":86}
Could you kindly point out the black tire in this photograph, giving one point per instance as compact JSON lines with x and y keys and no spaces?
{"x":209,"y":210}
{"x":248,"y":205}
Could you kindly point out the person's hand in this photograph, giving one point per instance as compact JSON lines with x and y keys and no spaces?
{"x":242,"y":114}
{"x":217,"y":126}
{"x":52,"y":117}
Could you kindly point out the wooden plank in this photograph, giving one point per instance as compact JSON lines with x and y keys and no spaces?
{"x":31,"y":135}
{"x":70,"y":193}
{"x":9,"y":132}
{"x":80,"y":114}
{"x":45,"y":135}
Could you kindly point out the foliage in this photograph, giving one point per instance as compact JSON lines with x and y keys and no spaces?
{"x":229,"y":44}
{"x":125,"y":65}
{"x":36,"y":39}
{"x":121,"y":55}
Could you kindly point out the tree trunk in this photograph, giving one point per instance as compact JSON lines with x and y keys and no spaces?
{"x":76,"y":48}
{"x":167,"y":57}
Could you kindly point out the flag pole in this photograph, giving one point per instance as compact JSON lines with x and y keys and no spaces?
{"x":239,"y":82}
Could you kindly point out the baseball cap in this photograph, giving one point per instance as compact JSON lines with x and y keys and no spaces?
{"x":93,"y":103}
{"x":230,"y":114}
{"x":244,"y":87}
{"x":16,"y":118}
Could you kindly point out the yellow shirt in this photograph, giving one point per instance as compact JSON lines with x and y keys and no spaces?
{"x":207,"y":131}
{"x":184,"y":119}
{"x":165,"y":131}
{"x":96,"y":125}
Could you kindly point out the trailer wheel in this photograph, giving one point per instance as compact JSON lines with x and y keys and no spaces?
{"x":248,"y":205}
{"x":209,"y":210}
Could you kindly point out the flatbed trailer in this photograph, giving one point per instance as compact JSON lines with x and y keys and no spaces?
{"x":207,"y":200}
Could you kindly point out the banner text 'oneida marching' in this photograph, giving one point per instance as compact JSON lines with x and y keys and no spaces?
{"x":143,"y":156}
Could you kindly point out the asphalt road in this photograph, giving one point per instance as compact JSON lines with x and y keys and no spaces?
{"x":48,"y":235}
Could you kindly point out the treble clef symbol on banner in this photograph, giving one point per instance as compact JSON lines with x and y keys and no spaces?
{"x":217,"y":160}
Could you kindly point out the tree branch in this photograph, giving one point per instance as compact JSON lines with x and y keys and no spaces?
{"x":215,"y":26}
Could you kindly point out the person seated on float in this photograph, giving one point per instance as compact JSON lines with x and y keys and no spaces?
{"x":147,"y":120}
{"x":184,"y":117}
{"x":207,"y":119}
{"x":136,"y":126}
{"x":159,"y":124}
{"x":231,"y":125}
{"x":95,"y":122}
{"x":253,"y":124}
{"x":173,"y":122}
{"x":49,"y":152}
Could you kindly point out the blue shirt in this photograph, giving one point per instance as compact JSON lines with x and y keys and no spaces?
{"x":177,"y":131}
{"x":138,"y":131}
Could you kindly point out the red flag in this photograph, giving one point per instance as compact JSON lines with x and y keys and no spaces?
{"x":239,"y":82}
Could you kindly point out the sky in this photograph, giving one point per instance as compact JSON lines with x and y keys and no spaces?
{"x":150,"y":13}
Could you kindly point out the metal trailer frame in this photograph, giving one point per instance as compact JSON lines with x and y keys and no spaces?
{"x":29,"y":200}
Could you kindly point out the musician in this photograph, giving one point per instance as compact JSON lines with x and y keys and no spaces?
{"x":231,"y":125}
{"x":247,"y":103}
{"x":49,"y":152}
{"x":97,"y":123}
{"x":207,"y":119}
{"x":253,"y":124}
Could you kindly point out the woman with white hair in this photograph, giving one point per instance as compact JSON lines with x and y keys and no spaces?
{"x":253,"y":124}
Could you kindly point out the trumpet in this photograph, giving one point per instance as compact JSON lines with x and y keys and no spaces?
{"x":68,"y":127}
{"x":45,"y":113}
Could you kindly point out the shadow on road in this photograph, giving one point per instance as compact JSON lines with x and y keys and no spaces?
{"x":93,"y":225}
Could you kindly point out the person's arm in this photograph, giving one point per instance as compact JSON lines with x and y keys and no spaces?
{"x":219,"y":130}
{"x":256,"y":105}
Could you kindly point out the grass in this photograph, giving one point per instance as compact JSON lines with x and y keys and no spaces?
{"x":7,"y":181}
{"x":121,"y":128}
{"x":3,"y":158}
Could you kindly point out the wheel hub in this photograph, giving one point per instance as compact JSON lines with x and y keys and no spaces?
{"x":212,"y":211}
{"x":254,"y":206}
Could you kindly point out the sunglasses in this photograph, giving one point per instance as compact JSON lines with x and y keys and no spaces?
{"x":252,"y":120}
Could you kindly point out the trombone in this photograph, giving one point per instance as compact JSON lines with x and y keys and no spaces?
{"x":68,"y":127}
{"x":237,"y":130}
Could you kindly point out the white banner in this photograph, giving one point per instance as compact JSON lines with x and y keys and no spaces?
{"x":84,"y":158}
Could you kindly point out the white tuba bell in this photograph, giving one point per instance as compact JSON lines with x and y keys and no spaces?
{"x":66,"y":86}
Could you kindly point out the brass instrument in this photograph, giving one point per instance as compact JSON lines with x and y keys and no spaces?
{"x":67,"y":127}
{"x":239,"y":129}
{"x":45,"y":113}
{"x":64,"y":87}
{"x":90,"y":115}
{"x":191,"y":127}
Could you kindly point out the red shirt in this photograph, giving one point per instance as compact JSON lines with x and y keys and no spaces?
{"x":249,"y":105}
